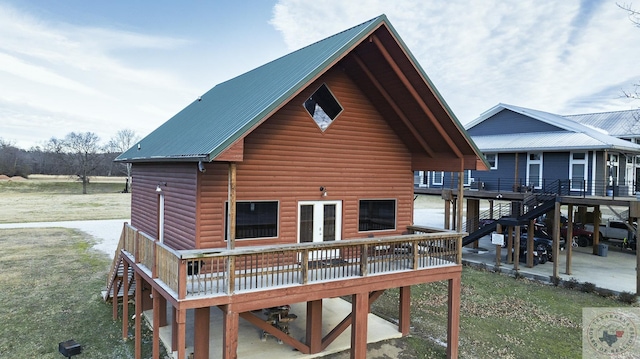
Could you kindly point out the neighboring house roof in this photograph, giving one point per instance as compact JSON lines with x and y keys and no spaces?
{"x":568,"y":135}
{"x":618,"y":123}
{"x":380,"y":61}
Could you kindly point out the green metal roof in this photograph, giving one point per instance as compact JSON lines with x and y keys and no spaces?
{"x":225,"y":113}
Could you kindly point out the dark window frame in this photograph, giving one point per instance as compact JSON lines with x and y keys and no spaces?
{"x":369,"y":219}
{"x":241,"y":233}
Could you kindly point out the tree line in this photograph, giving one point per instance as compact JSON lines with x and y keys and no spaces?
{"x":78,"y":154}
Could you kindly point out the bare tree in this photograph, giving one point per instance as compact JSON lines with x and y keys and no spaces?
{"x":120,"y":142}
{"x":80,"y":153}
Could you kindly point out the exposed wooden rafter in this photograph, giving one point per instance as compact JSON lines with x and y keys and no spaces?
{"x":393,"y":105}
{"x":416,"y":96}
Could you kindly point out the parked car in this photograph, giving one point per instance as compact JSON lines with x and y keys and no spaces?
{"x":582,"y":235}
{"x":617,"y":231}
{"x":542,"y":244}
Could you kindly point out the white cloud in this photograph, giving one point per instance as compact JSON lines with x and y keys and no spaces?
{"x":58,"y":77}
{"x":549,"y":56}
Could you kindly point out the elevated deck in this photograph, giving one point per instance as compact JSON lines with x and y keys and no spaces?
{"x":243,"y":280}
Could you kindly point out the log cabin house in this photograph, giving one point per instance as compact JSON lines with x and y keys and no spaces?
{"x":289,"y":184}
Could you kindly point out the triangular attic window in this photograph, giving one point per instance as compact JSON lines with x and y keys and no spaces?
{"x":323,"y":107}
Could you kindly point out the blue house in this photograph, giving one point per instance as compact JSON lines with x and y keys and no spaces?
{"x":531,"y":150}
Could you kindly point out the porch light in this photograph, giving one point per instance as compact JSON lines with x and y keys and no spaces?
{"x":323,"y":190}
{"x":69,"y":348}
{"x":158,"y":189}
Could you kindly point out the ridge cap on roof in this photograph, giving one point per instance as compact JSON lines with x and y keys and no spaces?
{"x":599,"y":113}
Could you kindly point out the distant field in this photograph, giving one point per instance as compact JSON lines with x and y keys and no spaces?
{"x":59,"y":198}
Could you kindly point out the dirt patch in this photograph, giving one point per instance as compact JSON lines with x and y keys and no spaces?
{"x":4,"y":178}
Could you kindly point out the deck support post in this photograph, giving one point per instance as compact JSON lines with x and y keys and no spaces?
{"x":596,"y":228}
{"x":460,"y":198}
{"x":359,"y":322}
{"x":509,"y":245}
{"x":314,"y":326}
{"x":162,"y":309}
{"x":637,"y":264}
{"x":568,"y":241}
{"x":556,"y":238}
{"x":138,"y":320}
{"x":447,"y":213}
{"x":516,"y":248}
{"x":181,"y":329}
{"x":530,"y":236}
{"x":156,"y":324}
{"x":453,"y":320}
{"x":498,"y":247}
{"x":174,"y":329}
{"x":405,"y":310}
{"x":201,"y":333}
{"x":125,"y":300}
{"x":230,"y":327}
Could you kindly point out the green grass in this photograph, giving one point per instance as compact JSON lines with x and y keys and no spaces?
{"x":50,"y":292}
{"x":501,"y":317}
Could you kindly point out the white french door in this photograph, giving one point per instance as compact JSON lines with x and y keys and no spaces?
{"x":319,"y":221}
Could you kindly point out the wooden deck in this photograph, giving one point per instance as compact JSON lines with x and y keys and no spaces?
{"x":190,"y":274}
{"x":242,"y":280}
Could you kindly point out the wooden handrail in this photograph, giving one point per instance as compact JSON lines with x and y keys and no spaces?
{"x":222,"y":271}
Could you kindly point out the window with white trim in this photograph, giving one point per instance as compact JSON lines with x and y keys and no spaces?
{"x":492,"y":159}
{"x":578,"y":170}
{"x":534,"y":169}
{"x":438,"y":178}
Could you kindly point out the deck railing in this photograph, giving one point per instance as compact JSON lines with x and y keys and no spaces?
{"x":214,"y":272}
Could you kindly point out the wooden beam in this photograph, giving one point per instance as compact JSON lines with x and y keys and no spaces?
{"x":181,"y":324}
{"x":125,"y":300}
{"x":453,"y":319}
{"x":359,"y":323}
{"x":569,"y":238}
{"x":346,"y":322}
{"x":404,"y":310}
{"x":162,"y":309}
{"x":155,"y":344}
{"x":138,"y":320}
{"x":498,"y":247}
{"x":394,"y":106}
{"x":174,"y":328}
{"x":416,"y":96}
{"x":459,"y":213}
{"x":201,"y":333}
{"x":314,"y":326}
{"x":516,"y":248}
{"x":556,"y":238}
{"x":230,"y":326}
{"x":530,"y":240}
{"x":596,"y":228}
{"x":275,"y":332}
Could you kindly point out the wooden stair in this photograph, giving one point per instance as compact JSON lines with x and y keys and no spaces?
{"x":116,"y":275}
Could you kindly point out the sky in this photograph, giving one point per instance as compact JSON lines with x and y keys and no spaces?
{"x":105,"y":66}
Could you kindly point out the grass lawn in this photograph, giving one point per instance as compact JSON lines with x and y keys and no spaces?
{"x":51,"y":281}
{"x":46,"y":199}
{"x":50,"y":292}
{"x":501,"y":317}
